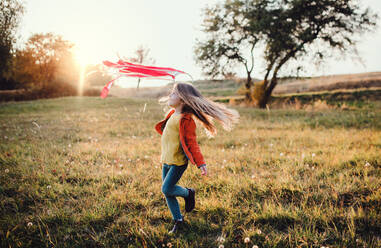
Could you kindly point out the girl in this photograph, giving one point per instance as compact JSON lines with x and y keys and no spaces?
{"x":179,"y":144}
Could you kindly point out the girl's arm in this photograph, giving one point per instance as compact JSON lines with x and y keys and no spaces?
{"x":191,"y":141}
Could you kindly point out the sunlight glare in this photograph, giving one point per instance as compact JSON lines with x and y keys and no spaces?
{"x":81,"y":57}
{"x":82,"y":60}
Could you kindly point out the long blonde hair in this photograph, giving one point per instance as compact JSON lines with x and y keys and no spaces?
{"x":204,"y":109}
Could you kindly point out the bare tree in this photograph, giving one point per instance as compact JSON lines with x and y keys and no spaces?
{"x":142,"y":56}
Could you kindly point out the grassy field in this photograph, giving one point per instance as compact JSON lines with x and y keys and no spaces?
{"x":85,"y":172}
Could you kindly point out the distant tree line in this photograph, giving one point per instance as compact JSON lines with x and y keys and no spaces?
{"x":44,"y":66}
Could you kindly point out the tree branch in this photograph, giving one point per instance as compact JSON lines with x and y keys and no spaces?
{"x":252,"y":54}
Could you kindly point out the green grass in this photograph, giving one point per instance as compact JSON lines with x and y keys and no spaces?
{"x":85,"y":172}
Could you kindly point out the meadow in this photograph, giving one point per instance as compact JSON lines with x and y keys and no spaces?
{"x":85,"y":172}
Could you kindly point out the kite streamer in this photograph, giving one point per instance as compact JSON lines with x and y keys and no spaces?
{"x":127,"y":69}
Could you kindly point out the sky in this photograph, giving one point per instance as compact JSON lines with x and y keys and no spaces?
{"x":102,"y":29}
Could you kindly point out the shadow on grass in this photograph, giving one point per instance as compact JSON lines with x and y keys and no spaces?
{"x":279,"y":222}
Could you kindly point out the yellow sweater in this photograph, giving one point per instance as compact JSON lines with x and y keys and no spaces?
{"x":171,"y":151}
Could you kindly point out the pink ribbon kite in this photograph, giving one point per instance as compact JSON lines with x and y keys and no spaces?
{"x":128,"y":69}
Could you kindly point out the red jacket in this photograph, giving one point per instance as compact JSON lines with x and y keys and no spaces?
{"x":187,"y":137}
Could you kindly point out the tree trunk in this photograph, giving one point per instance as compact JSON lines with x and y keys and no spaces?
{"x":248,"y":85}
{"x":138,"y":83}
{"x":267,"y":94}
{"x":264,"y":100}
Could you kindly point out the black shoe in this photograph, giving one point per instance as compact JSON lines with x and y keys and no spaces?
{"x":177,"y":226}
{"x":189,"y":201}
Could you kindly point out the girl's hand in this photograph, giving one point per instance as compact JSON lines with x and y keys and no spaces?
{"x":203,"y":170}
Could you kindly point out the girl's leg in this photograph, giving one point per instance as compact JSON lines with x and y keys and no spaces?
{"x":171,"y":175}
{"x":165,"y":171}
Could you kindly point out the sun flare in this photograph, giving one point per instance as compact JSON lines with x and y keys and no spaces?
{"x":83,"y":60}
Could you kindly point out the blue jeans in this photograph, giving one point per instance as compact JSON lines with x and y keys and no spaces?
{"x":171,"y":175}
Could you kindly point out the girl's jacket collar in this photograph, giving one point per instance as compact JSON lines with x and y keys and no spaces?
{"x":188,"y":141}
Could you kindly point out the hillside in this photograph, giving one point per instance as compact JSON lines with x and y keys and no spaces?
{"x":328,"y":83}
{"x":226,"y":88}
